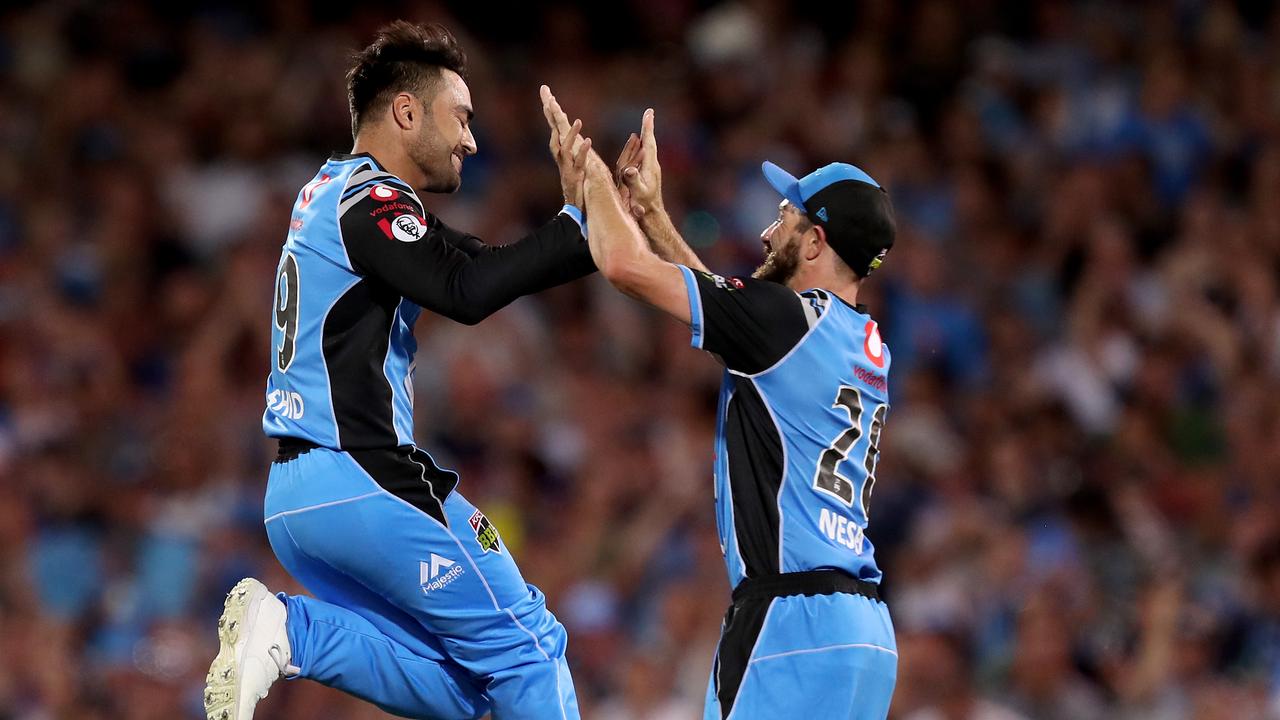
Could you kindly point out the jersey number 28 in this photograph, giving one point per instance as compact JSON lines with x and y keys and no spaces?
{"x":827,"y":479}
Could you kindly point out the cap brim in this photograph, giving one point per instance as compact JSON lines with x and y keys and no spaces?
{"x":784,"y":182}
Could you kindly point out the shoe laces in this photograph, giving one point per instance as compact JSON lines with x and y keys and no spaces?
{"x":277,"y":656}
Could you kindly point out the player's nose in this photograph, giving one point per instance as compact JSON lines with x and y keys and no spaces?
{"x":469,"y":142}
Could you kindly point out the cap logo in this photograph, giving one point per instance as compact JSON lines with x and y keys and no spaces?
{"x":822,"y":214}
{"x":877,"y":260}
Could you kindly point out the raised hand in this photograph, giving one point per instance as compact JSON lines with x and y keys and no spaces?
{"x":638,"y":173}
{"x":568,"y":147}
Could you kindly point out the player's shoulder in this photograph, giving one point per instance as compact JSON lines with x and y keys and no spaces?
{"x":856,"y":321}
{"x":367,"y":183}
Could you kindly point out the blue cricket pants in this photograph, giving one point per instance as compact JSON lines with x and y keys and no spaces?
{"x":804,"y":656}
{"x":419,"y":608}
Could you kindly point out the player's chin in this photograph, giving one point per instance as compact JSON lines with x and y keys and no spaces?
{"x":450,"y":182}
{"x":773,"y":271}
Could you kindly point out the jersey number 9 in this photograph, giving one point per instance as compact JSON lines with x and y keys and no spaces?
{"x":287,"y":311}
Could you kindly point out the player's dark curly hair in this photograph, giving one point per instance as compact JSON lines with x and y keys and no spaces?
{"x":403,"y":57}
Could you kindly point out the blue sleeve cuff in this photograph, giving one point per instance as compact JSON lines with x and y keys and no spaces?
{"x":573,"y":212}
{"x":695,"y":306}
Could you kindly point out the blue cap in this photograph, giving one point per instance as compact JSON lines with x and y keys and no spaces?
{"x":851,"y":207}
{"x":799,"y":191}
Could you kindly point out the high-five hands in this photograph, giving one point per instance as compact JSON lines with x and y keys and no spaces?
{"x":639,"y":176}
{"x":569,"y":149}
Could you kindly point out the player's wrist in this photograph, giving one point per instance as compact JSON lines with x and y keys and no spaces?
{"x":654,"y":212}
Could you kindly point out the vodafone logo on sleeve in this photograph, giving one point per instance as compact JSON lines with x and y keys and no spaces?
{"x":873,"y":346}
{"x":382,"y":193}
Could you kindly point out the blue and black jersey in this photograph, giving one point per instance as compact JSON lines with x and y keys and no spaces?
{"x":362,"y":259}
{"x":802,"y":404}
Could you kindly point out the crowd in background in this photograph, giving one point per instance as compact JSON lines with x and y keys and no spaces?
{"x":1077,"y":508}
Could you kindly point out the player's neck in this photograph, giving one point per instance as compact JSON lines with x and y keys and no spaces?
{"x":846,"y":290}
{"x":391,"y":157}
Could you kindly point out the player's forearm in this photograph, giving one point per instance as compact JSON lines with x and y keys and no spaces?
{"x":549,"y":256}
{"x":666,"y":241}
{"x":623,"y":255}
{"x":616,"y":243}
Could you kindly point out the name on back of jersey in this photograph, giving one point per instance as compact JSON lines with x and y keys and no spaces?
{"x":841,"y":530}
{"x":286,"y":404}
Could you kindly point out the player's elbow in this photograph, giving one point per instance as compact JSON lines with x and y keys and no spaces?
{"x":625,"y":272}
{"x":469,"y":313}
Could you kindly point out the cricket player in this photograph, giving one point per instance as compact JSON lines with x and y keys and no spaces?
{"x":802,"y":406}
{"x":418,"y":605}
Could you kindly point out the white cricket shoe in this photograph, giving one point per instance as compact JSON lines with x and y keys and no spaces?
{"x":253,"y":652}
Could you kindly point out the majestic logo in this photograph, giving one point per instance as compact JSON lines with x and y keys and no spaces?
{"x":486,"y":533}
{"x":310,"y":188}
{"x":822,"y":214}
{"x":288,"y":405}
{"x":437,"y":573}
{"x":382,"y":193}
{"x":840,"y":530}
{"x":872,"y":346}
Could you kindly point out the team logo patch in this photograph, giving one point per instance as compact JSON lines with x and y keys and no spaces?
{"x":406,"y":228}
{"x":382,"y":193}
{"x":873,"y":346}
{"x":486,"y":533}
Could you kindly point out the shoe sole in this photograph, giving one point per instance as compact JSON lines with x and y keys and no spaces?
{"x":222,"y":683}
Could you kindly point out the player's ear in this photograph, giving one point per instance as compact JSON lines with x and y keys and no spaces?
{"x":814,"y":241}
{"x":403,"y":111}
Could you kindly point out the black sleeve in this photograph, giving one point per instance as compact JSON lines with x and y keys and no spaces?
{"x":451,"y":273}
{"x":751,"y":324}
{"x":467,"y":243}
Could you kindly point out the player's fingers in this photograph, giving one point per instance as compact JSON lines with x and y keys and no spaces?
{"x":648,"y":142}
{"x":637,"y":153}
{"x":571,"y":139}
{"x":628,"y":150}
{"x":554,"y":143}
{"x":556,"y":113}
{"x":632,"y":179}
{"x":546,"y":107}
{"x":580,"y":158}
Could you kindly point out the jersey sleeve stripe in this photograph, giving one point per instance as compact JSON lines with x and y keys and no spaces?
{"x":695,"y":306}
{"x":389,"y":180}
{"x":815,"y":303}
{"x":361,"y":194}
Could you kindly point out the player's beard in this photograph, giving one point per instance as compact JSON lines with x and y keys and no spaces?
{"x":781,"y":264}
{"x":436,"y":162}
